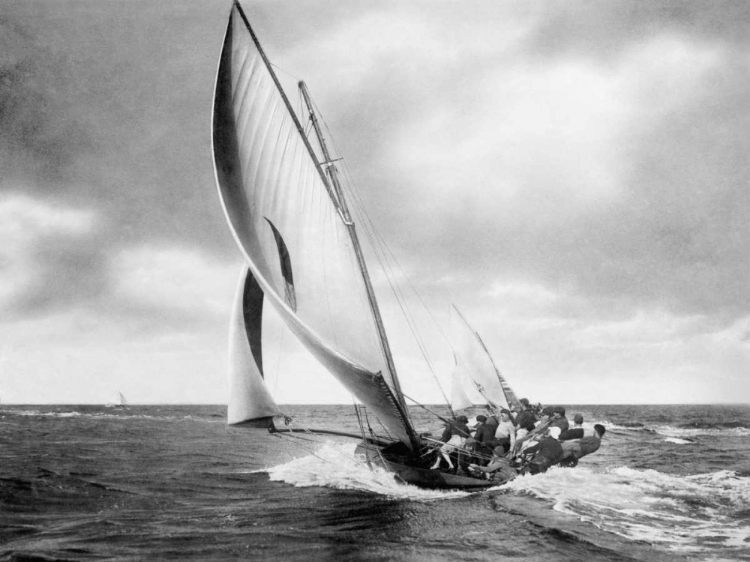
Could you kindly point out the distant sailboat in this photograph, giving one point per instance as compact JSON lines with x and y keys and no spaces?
{"x":117,"y":401}
{"x":289,"y":216}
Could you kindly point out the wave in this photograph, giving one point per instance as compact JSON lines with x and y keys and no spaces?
{"x":712,"y":425}
{"x":692,"y":514}
{"x":38,"y":413}
{"x":113,"y":415}
{"x":678,"y":441}
{"x":335,"y":465}
{"x":680,"y":515}
{"x":680,"y":431}
{"x":688,"y":432}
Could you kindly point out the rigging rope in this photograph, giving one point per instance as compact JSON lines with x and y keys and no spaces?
{"x":382,"y":253}
{"x":385,"y":256}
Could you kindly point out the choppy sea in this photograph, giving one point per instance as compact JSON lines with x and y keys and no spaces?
{"x":176,"y":483}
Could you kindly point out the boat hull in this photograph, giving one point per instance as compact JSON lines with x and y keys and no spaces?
{"x":422,"y":477}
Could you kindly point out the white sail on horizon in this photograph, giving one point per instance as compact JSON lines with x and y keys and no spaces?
{"x":117,"y":400}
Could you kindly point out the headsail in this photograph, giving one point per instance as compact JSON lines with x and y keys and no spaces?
{"x":286,"y":221}
{"x":249,"y":399}
{"x":476,"y":364}
{"x":460,"y":389}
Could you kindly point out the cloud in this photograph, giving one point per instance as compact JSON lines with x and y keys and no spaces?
{"x":621,"y":182}
{"x":574,"y":177}
{"x":37,"y":139}
{"x":89,"y":113}
{"x":38,"y":257}
{"x":603,"y":30}
{"x":178,"y":278}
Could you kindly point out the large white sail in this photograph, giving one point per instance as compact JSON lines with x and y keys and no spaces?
{"x":475,"y":363}
{"x":287,"y":223}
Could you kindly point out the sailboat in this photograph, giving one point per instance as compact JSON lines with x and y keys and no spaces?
{"x":285,"y":206}
{"x":117,"y":401}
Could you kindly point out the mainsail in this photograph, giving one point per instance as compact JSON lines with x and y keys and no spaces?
{"x":474,"y":363}
{"x":288,"y":222}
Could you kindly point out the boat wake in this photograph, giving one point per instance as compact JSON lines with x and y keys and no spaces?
{"x":680,"y":515}
{"x":335,"y":465}
{"x":693,"y":514}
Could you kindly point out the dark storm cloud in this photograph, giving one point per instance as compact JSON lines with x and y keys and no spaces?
{"x":36,"y":140}
{"x":106,"y":108}
{"x":109,"y":105}
{"x":120,"y":93}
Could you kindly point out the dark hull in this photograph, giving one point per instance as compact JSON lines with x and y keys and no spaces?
{"x":422,"y":477}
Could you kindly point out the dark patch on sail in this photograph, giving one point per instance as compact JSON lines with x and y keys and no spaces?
{"x":252,"y":316}
{"x":286,"y":268}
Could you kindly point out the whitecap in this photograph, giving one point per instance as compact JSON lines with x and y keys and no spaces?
{"x":679,"y":513}
{"x":678,"y":441}
{"x":688,"y":432}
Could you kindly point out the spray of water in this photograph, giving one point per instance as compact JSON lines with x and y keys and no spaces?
{"x":335,"y":465}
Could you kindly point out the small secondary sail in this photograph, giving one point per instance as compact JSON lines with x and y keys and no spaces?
{"x":249,"y":398}
{"x":287,"y":222}
{"x":460,"y":389}
{"x":475,"y":364}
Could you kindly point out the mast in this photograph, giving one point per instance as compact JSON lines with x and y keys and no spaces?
{"x":332,"y":174}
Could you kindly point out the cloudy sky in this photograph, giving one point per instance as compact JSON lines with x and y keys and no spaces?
{"x":573,"y":175}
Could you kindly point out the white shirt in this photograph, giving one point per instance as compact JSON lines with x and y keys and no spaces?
{"x":505,"y":429}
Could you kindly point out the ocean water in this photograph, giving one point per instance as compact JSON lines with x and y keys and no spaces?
{"x":175,"y":483}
